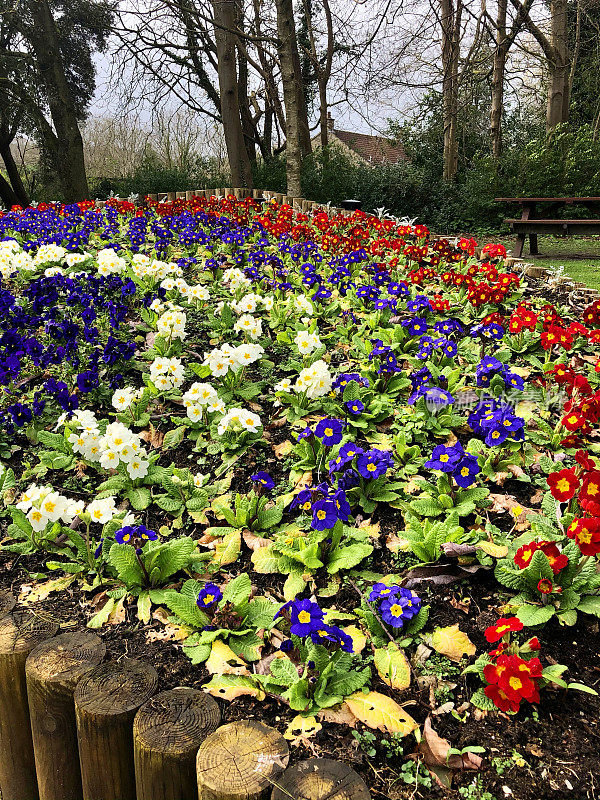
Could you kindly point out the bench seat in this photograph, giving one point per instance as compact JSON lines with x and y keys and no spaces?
{"x":567,"y":227}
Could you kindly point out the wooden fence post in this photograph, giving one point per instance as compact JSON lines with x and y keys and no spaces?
{"x":106,"y":701}
{"x":20,"y":632}
{"x":320,"y":779}
{"x":240,"y":761}
{"x":53,"y":670}
{"x":167,"y":732}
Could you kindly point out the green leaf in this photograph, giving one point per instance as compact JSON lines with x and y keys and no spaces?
{"x":294,"y":584}
{"x":590,"y":605}
{"x":531,"y":615}
{"x":269,"y":517}
{"x":392,"y":666}
{"x":139,"y":497}
{"x":260,"y":613}
{"x":186,"y":609}
{"x":237,"y":592}
{"x":265,"y":560}
{"x":426,"y":507}
{"x":348,"y":556}
{"x":123,"y":558}
{"x":169,"y":504}
{"x":284,"y":672}
{"x":482,"y":701}
{"x":173,"y":437}
{"x":580,"y":687}
{"x":173,"y":556}
{"x":54,"y":441}
{"x":98,"y":620}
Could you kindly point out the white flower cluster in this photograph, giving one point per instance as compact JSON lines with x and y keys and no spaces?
{"x":166,"y":373}
{"x":123,"y":398}
{"x":284,"y":385}
{"x":303,"y":304}
{"x":145,"y":267}
{"x":197,"y":293}
{"x":72,"y":259}
{"x":109,"y":262}
{"x":201,"y":396}
{"x":307,"y":342}
{"x":48,"y":253}
{"x":315,"y":380}
{"x":43,"y":505}
{"x":171,"y":323}
{"x":227,"y":357}
{"x":117,"y":445}
{"x":247,"y":305}
{"x":235,"y":279}
{"x":237,"y":419}
{"x":249,"y":325}
{"x":13,"y":259}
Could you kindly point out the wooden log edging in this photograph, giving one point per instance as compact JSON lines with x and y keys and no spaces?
{"x":167,"y":732}
{"x":240,"y":761}
{"x":53,"y":670}
{"x":106,"y":701}
{"x":20,"y":633}
{"x":320,"y":779}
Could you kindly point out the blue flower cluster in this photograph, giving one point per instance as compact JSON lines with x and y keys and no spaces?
{"x":307,"y":619}
{"x":489,"y":367}
{"x":326,"y":504}
{"x":453,"y":460}
{"x":396,"y":604}
{"x":496,"y":422}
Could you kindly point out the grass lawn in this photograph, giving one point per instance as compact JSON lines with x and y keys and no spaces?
{"x":580,"y":255}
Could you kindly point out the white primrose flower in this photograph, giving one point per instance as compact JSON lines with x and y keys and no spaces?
{"x":198,"y":293}
{"x":303,"y":304}
{"x":249,"y":325}
{"x":72,"y":259}
{"x":199,"y":394}
{"x":284,"y":385}
{"x":48,"y":253}
{"x":109,"y":262}
{"x":307,"y":342}
{"x":166,"y":373}
{"x":123,"y":398}
{"x":315,"y":380}
{"x":238,"y":419}
{"x":102,"y":510}
{"x":172,"y":324}
{"x":138,"y":468}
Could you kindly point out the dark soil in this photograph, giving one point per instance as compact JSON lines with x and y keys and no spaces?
{"x":546,"y":753}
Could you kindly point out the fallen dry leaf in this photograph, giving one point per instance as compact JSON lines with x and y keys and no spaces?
{"x":36,"y":592}
{"x":223,"y":661}
{"x":451,"y":642}
{"x":301,"y":729}
{"x":153,"y":436}
{"x":434,"y":750}
{"x":508,"y":503}
{"x":253,"y":541}
{"x":339,"y":715}
{"x":283,"y":449}
{"x":381,"y":712}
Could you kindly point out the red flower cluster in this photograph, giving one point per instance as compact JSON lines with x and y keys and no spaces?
{"x":522,"y":319}
{"x":563,"y":484}
{"x":512,"y":679}
{"x":494,"y":251}
{"x":591,"y":315}
{"x":586,"y":533}
{"x":525,"y":553}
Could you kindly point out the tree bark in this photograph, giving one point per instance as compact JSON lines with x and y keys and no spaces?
{"x":559,"y":84}
{"x":296,"y":119}
{"x":499,"y":67}
{"x":66,"y":149}
{"x":450,"y":24}
{"x":14,"y":175}
{"x":237,"y":154}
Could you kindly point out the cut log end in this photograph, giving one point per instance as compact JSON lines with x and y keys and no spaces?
{"x":320,"y":779}
{"x":21,"y":631}
{"x":115,"y":688}
{"x":240,"y":761}
{"x":66,"y":658}
{"x":176,"y":721}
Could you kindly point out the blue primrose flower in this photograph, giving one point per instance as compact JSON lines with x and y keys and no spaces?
{"x":264,"y":479}
{"x":381,"y":590}
{"x":400,"y":607}
{"x":374,"y":463}
{"x":466,"y":471}
{"x":333,"y":634}
{"x":209,"y":595}
{"x":345,"y":455}
{"x":329,"y":431}
{"x":305,"y":617}
{"x":325,"y":515}
{"x":445,"y":458}
{"x":355,"y":407}
{"x":133,"y":534}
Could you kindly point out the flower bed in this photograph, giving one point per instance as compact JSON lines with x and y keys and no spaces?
{"x":337,"y":474}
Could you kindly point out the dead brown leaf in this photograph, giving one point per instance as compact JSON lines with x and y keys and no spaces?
{"x":507,"y":503}
{"x":340,"y":715}
{"x":434,"y":751}
{"x":283,"y":449}
{"x":253,"y":541}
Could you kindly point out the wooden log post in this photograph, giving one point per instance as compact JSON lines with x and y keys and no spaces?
{"x":20,"y":632}
{"x":167,"y":732}
{"x":241,"y":761}
{"x":7,"y":602}
{"x":320,"y":779}
{"x":106,"y":701}
{"x":53,"y":670}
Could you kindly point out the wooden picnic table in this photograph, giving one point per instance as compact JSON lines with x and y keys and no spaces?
{"x":533,"y":222}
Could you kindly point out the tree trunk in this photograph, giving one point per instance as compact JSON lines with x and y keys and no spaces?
{"x":67,"y":152}
{"x":237,"y":154}
{"x":557,"y":109}
{"x":499,"y":67}
{"x":296,"y":120}
{"x":450,"y":23}
{"x":14,"y":175}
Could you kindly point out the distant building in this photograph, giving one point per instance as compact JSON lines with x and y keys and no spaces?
{"x":362,"y":146}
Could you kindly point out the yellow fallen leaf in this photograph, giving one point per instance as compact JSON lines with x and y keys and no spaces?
{"x":228,"y":549}
{"x":451,"y":642}
{"x":493,"y":549}
{"x":359,"y":640}
{"x":283,"y":449}
{"x":41,"y":591}
{"x":223,"y":661}
{"x":228,"y":687}
{"x":392,"y":666}
{"x":379,"y":711}
{"x":301,"y":728}
{"x":373,"y":531}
